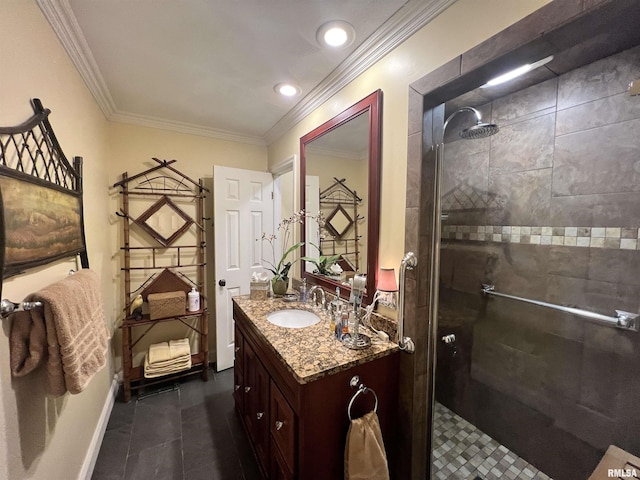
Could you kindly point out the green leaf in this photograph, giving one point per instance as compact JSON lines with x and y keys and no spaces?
{"x":291,"y":249}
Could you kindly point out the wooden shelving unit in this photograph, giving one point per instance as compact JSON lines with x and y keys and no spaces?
{"x":156,"y":184}
{"x":341,"y":200}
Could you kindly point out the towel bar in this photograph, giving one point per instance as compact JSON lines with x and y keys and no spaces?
{"x":624,"y":320}
{"x":7,"y":307}
{"x":361,"y":389}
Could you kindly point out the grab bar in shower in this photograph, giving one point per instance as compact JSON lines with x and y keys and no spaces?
{"x":408,"y":262}
{"x":622,"y":319}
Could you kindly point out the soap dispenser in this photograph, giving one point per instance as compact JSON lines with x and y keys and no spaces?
{"x":194,"y":300}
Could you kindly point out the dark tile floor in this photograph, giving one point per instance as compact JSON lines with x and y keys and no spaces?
{"x":190,"y":433}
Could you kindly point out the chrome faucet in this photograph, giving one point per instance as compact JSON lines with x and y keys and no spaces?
{"x":314,"y":300}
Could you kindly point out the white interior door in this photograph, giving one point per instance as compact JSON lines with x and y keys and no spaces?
{"x":312,"y":207}
{"x":243,"y":210}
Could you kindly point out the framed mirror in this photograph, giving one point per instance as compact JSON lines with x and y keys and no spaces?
{"x":340,"y":192}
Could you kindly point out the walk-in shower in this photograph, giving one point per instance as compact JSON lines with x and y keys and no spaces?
{"x":548,"y":212}
{"x":531,"y":383}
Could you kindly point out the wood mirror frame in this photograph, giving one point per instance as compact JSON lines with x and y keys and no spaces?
{"x":371,"y":105}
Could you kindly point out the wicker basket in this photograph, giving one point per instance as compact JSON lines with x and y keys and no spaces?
{"x":167,"y":304}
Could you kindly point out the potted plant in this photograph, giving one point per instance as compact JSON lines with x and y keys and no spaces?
{"x":325,"y":264}
{"x":280,"y":280}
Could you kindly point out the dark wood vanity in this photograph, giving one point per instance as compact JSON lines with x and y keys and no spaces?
{"x":291,"y":388}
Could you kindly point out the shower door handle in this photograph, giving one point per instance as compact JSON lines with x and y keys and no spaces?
{"x":408,"y":262}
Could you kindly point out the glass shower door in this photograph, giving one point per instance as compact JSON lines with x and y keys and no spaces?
{"x":546,"y":210}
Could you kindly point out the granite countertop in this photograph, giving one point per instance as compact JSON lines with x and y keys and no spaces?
{"x":312,"y":352}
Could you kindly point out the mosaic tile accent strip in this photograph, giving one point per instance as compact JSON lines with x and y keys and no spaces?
{"x":463,"y":452}
{"x":592,"y":237}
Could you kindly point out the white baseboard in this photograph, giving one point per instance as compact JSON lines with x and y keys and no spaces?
{"x":96,"y":442}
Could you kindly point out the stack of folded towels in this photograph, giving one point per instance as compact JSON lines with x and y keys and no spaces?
{"x":167,"y":357}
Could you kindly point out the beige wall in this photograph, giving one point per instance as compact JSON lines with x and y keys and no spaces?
{"x":459,"y":28}
{"x":44,"y":438}
{"x":131,"y":149}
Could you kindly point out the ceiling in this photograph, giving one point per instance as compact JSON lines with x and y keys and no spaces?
{"x":209,"y":67}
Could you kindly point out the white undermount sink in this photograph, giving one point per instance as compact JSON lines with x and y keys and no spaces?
{"x":293,"y":318}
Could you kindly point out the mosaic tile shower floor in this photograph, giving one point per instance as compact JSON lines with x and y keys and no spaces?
{"x":462,"y":452}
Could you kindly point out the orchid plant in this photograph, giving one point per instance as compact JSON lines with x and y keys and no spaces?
{"x":281,"y":269}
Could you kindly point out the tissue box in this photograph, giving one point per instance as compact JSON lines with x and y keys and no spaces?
{"x":167,"y":304}
{"x":259,"y":290}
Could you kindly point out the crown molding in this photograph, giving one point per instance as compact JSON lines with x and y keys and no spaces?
{"x":392,"y":33}
{"x":188,"y":128}
{"x":64,"y":23}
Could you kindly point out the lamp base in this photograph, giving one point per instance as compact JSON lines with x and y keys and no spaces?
{"x":388,"y":299}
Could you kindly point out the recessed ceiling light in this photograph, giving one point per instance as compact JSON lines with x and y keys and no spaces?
{"x":505,"y":77}
{"x":287,"y":89}
{"x":336,"y":34}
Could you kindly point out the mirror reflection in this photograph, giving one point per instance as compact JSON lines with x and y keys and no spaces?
{"x":336,"y":194}
{"x":340,"y":170}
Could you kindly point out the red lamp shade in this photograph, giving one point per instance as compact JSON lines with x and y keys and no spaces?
{"x":387,"y":280}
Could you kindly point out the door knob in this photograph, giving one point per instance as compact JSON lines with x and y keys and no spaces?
{"x":222,"y":282}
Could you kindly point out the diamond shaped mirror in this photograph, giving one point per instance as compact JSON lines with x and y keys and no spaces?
{"x":338,"y":222}
{"x":164,"y":221}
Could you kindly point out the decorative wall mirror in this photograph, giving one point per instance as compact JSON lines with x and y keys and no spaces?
{"x":340,"y":192}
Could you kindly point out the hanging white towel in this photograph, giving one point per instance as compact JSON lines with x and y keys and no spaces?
{"x":364,"y":456}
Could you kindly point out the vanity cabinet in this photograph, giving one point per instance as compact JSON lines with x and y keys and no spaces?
{"x":298,"y":430}
{"x":256,"y":403}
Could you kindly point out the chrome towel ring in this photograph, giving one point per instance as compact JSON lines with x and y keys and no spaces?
{"x":362,"y":389}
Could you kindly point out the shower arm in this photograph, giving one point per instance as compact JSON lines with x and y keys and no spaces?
{"x":460,"y":110}
{"x":408,"y":262}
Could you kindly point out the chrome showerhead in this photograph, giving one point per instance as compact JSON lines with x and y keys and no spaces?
{"x":479,"y":130}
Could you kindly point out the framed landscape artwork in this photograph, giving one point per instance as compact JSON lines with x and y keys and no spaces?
{"x":41,"y":224}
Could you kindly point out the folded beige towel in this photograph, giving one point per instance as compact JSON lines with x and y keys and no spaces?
{"x":167,"y":363}
{"x":71,"y":325}
{"x":179,"y":347}
{"x":364,"y":454}
{"x":177,"y":365}
{"x":161,"y":352}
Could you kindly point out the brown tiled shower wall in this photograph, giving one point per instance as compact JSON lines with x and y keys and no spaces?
{"x":548,"y":209}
